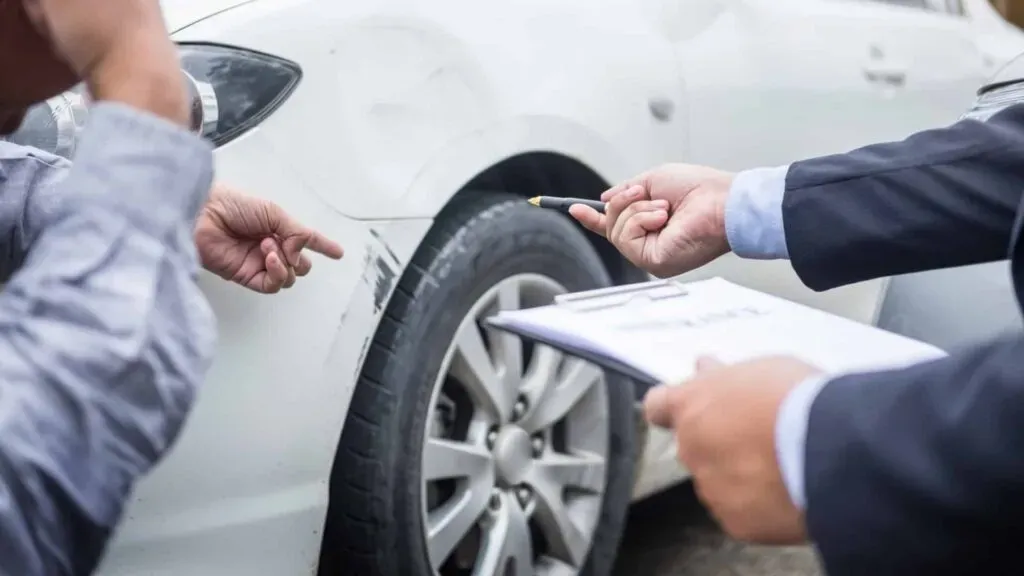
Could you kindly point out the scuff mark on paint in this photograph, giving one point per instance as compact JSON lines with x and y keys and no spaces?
{"x":362,"y":356}
{"x":385,"y":282}
{"x":379,"y":238}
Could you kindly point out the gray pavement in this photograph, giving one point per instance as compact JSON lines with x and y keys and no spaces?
{"x":671,"y":535}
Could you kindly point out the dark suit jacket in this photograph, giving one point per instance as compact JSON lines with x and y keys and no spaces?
{"x":917,"y":471}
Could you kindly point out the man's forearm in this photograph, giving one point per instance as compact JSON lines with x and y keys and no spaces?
{"x":104,"y":336}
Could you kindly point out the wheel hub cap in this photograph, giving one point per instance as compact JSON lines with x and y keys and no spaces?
{"x":513,"y":454}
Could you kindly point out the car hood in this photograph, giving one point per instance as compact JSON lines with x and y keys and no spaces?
{"x":181,"y":13}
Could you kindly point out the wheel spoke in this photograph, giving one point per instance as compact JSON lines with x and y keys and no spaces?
{"x":449,"y":524}
{"x":506,"y":549}
{"x":447,"y":459}
{"x":548,"y":566}
{"x":508,"y":346}
{"x":541,"y":374}
{"x":562,"y":396}
{"x":473,"y":367}
{"x":583,"y":471}
{"x":548,"y":478}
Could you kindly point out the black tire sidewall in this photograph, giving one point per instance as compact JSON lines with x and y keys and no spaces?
{"x":472,"y":248}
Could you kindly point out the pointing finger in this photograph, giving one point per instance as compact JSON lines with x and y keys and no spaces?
{"x":322,"y":245}
{"x":298,"y":237}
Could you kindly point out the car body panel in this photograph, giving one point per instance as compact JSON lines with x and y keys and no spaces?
{"x":179,"y":14}
{"x":454,"y":87}
{"x":403,"y":102}
{"x":998,"y":40}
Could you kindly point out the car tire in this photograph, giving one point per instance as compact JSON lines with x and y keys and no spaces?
{"x":374,"y":523}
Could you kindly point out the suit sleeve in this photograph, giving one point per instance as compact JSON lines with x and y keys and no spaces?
{"x":940,"y":198}
{"x":920,"y":470}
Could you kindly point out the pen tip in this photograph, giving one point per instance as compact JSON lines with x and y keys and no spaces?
{"x":535,"y":201}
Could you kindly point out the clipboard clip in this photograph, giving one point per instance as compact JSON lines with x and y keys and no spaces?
{"x":616,"y":296}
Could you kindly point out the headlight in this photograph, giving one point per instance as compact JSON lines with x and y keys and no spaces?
{"x":995,"y":99}
{"x":231,"y":90}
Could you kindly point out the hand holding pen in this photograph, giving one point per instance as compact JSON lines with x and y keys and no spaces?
{"x":666,"y":221}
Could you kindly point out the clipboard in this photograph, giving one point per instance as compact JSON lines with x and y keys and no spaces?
{"x":599,"y":300}
{"x":653,"y":332}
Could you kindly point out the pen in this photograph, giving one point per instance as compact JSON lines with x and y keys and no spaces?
{"x":564,"y":203}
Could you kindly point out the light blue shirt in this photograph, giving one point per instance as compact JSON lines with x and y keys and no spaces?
{"x":104,"y":334}
{"x":754,"y":228}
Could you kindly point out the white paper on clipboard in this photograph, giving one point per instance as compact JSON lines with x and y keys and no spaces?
{"x":655,"y":331}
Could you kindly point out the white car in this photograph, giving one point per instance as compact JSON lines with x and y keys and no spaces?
{"x":363,"y":423}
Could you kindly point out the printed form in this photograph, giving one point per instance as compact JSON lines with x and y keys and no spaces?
{"x":653,"y":332}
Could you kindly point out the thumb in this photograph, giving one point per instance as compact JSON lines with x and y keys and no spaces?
{"x":590,"y":219}
{"x":659,"y":405}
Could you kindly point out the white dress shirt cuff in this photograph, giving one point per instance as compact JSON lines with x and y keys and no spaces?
{"x":753,"y":214}
{"x":791,"y":435}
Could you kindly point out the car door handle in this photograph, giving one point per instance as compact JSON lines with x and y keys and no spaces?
{"x":887,"y":75}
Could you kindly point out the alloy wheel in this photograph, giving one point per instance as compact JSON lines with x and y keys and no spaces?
{"x":513,"y":465}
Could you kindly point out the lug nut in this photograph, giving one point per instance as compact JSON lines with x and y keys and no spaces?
{"x":523,"y":494}
{"x":495,"y":502}
{"x":492,"y":437}
{"x":519,"y":409}
{"x":538,"y":445}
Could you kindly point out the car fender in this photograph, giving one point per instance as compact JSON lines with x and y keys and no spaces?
{"x":452,"y":167}
{"x":400,"y":106}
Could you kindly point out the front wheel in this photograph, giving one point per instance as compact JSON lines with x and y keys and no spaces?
{"x":471,"y":452}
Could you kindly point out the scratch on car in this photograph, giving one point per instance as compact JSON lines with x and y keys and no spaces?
{"x":385,"y":282}
{"x":363,"y":349}
{"x":379,"y":238}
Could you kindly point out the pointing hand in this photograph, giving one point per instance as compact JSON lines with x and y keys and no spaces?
{"x":255,"y":243}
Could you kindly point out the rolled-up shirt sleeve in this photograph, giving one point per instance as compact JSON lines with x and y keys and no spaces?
{"x":104,"y":336}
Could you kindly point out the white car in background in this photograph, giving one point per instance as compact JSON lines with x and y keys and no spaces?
{"x":363,"y":423}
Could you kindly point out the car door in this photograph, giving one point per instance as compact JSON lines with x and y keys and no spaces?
{"x":931,"y":50}
{"x":772,"y":81}
{"x":784,"y":72}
